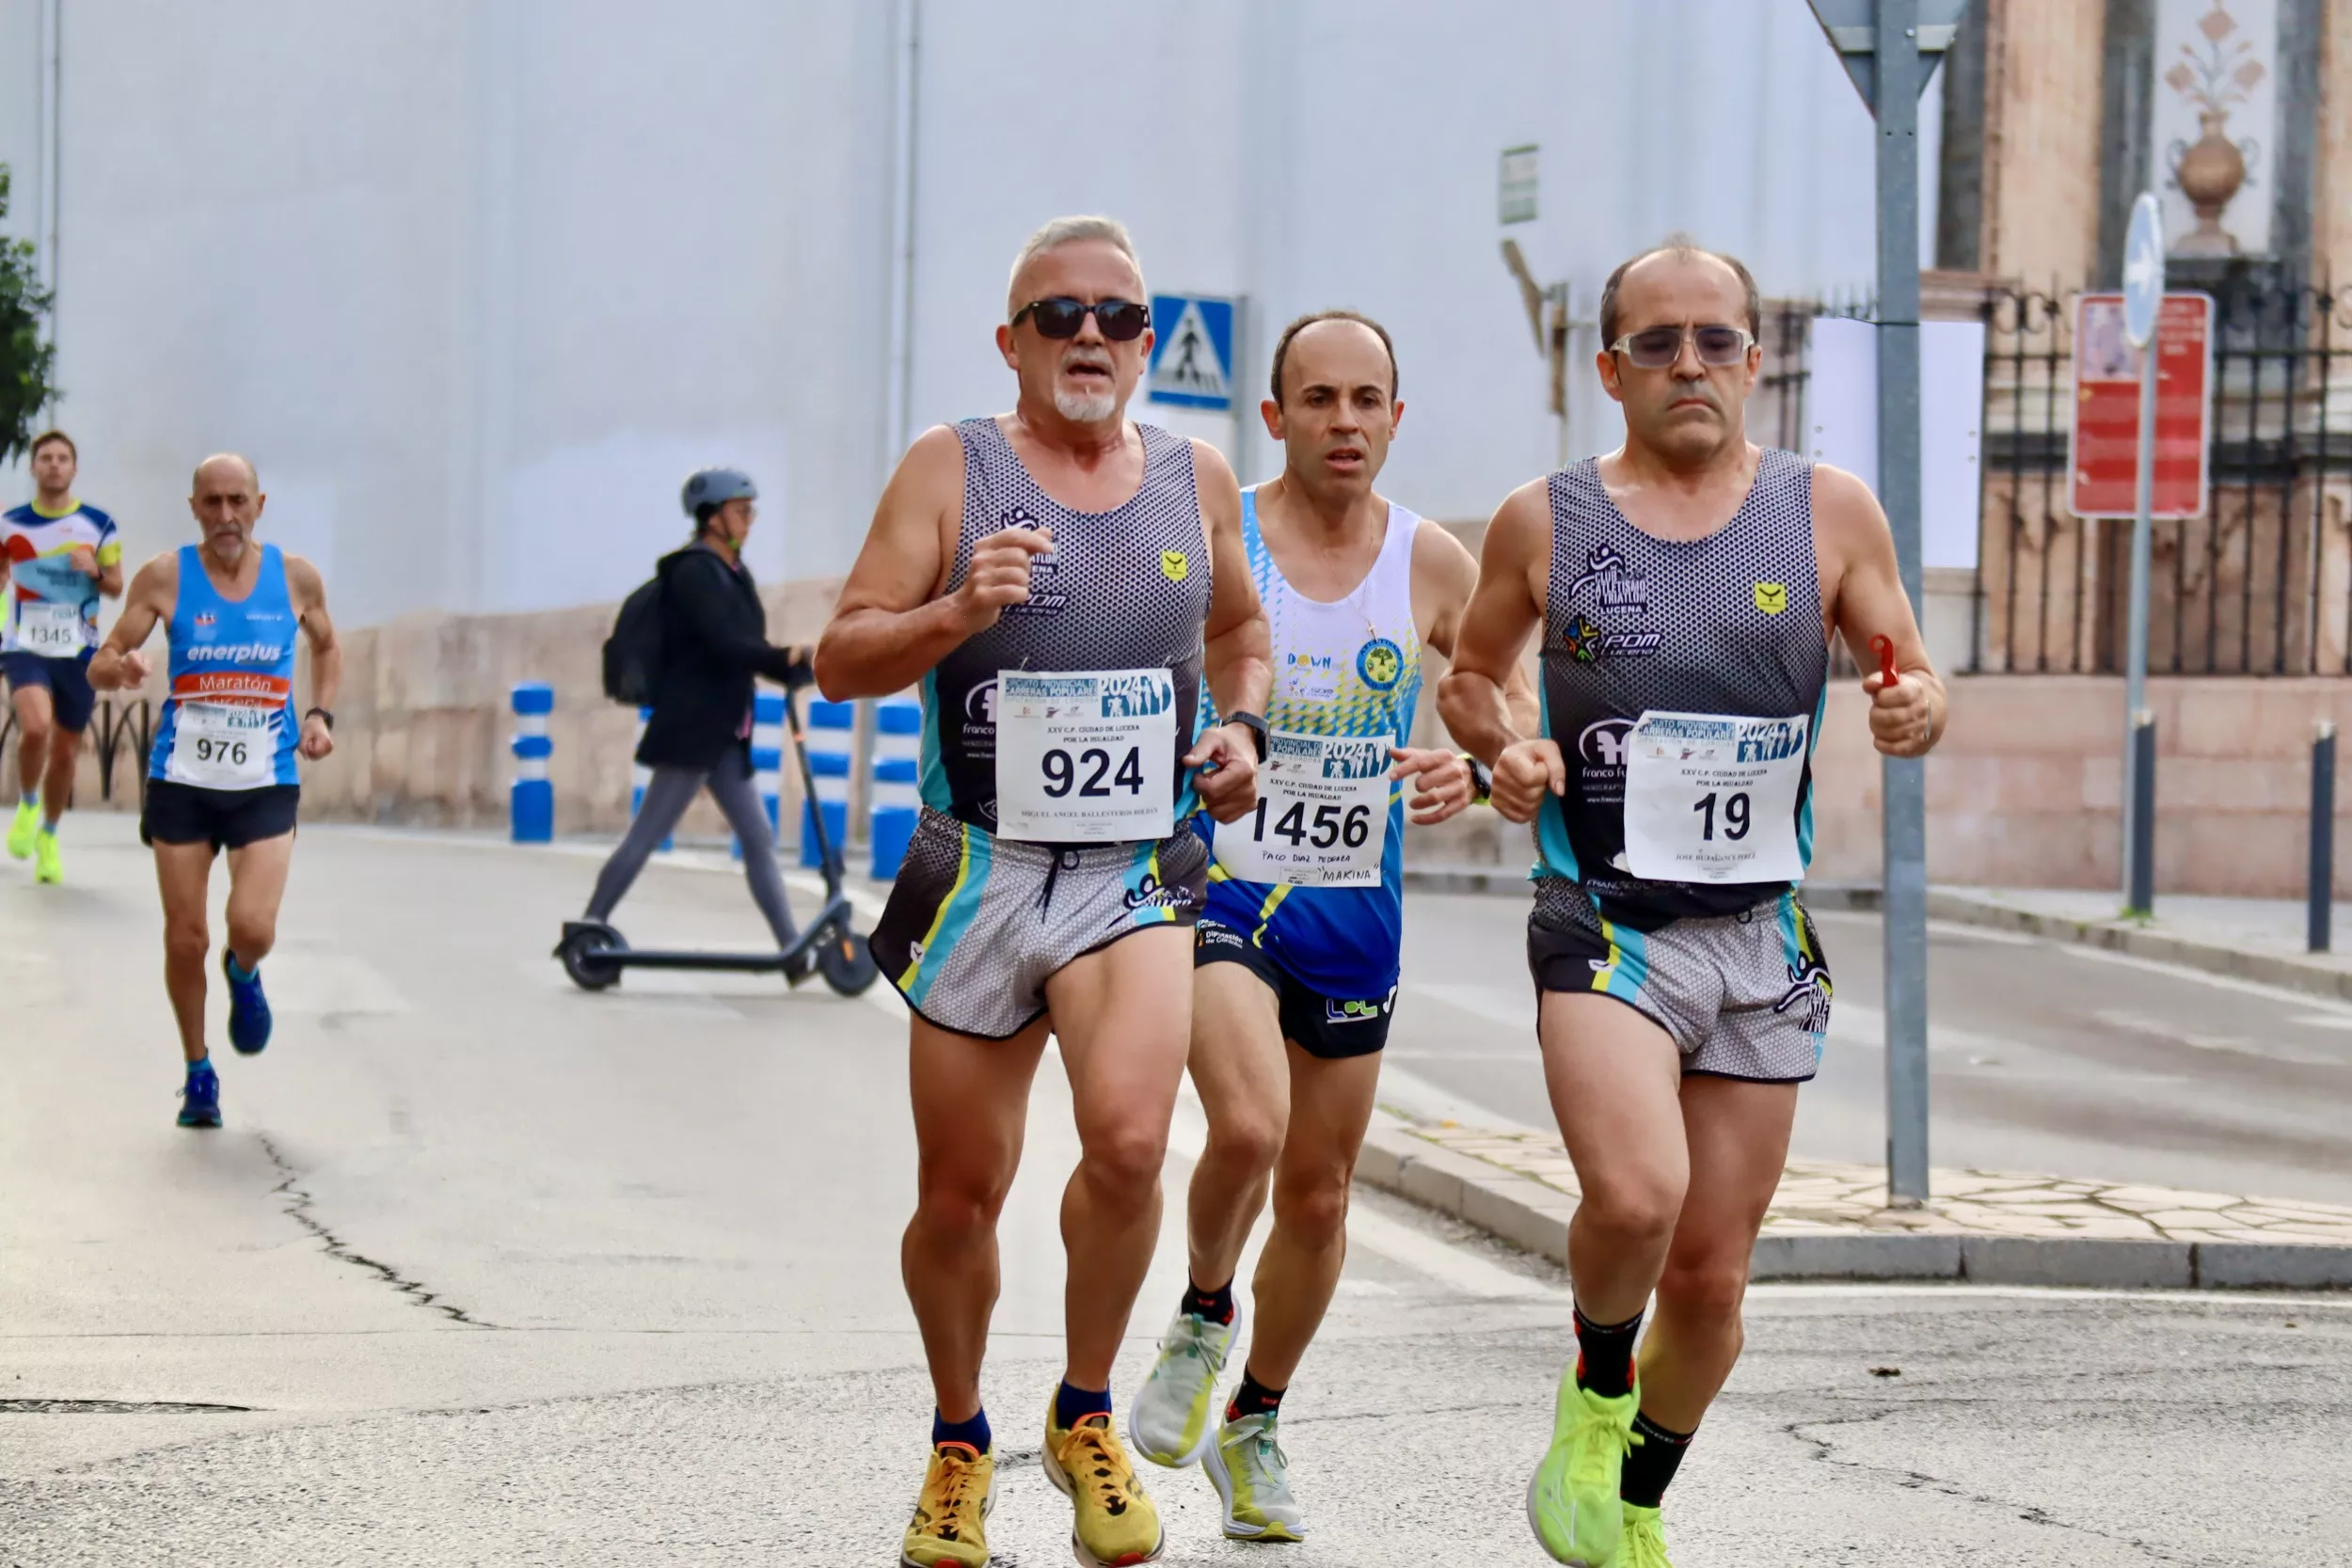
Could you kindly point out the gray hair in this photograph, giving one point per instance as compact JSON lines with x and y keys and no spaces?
{"x":1069,"y":230}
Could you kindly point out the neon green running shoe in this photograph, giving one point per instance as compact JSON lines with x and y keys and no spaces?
{"x":1572,"y":1498}
{"x":1174,"y":1418}
{"x":1644,"y":1539}
{"x":1253,"y":1474}
{"x":46,"y":866}
{"x":21,"y":831}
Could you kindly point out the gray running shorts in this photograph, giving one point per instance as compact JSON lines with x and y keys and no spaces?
{"x":977,"y":924}
{"x":1744,"y":995}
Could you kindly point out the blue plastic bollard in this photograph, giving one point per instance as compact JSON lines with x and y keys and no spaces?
{"x":827,"y":737}
{"x":898,"y":777}
{"x":531,"y":798}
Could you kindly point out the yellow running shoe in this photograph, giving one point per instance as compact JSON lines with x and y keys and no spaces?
{"x":950,"y":1525}
{"x":1644,"y":1539}
{"x":21,"y":831}
{"x":1572,"y":1498}
{"x":1116,"y":1523}
{"x":46,"y":866}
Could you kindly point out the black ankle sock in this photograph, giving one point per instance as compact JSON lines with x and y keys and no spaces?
{"x":1653,"y":1462}
{"x":1604,"y":1356}
{"x":972,"y":1434}
{"x":1073,"y":1404}
{"x":1216,"y":1306}
{"x":1254,"y":1399}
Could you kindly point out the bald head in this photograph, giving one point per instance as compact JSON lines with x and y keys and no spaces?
{"x":225,"y":468}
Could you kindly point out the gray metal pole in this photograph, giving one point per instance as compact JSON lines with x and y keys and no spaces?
{"x":2322,"y":864}
{"x":2136,"y":666}
{"x":1905,"y":785}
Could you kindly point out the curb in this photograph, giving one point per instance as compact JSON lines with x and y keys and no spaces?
{"x":2288,"y":972}
{"x":1534,"y":1218}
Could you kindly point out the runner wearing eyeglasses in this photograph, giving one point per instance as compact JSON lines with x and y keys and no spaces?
{"x":1686,"y":585}
{"x":1058,"y":580}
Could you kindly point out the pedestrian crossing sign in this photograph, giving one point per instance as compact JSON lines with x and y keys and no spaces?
{"x":1192,"y":353}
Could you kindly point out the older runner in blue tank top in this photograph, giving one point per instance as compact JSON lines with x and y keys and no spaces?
{"x":1058,"y":580}
{"x":1296,"y":957}
{"x":223,"y":772}
{"x":1685,"y":586}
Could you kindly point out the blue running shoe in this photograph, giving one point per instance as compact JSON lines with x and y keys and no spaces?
{"x":249,"y":1009}
{"x":199,"y":1101}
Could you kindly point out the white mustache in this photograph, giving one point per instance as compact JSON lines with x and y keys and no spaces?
{"x":1087,"y":359}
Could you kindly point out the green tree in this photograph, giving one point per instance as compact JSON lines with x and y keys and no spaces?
{"x":26,"y":361}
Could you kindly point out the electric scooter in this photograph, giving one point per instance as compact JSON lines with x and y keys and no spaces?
{"x":594,"y":954}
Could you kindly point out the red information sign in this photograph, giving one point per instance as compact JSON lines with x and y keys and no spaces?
{"x":2102,"y":445}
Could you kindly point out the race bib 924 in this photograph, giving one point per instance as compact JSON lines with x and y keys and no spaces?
{"x":1085,"y":757}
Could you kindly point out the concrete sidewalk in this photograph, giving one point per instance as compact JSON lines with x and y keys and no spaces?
{"x":1829,"y":1221}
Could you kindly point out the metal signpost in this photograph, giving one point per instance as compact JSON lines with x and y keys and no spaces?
{"x":1888,"y":47}
{"x":2143,"y":292}
{"x":1196,"y":360}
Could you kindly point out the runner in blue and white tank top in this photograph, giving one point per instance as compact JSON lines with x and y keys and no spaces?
{"x":1059,"y":581}
{"x":1685,"y":588}
{"x":1301,"y":939}
{"x":222,"y":769}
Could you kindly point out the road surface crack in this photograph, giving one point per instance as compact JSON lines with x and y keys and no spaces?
{"x":1826,"y":1452}
{"x":300,"y":1204}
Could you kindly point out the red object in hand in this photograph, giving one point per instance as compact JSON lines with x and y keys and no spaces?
{"x":1885,"y":648}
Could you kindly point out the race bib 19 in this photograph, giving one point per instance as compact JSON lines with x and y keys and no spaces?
{"x":224,"y":745}
{"x":1085,"y":757}
{"x":1713,"y":799}
{"x":1322,"y":818}
{"x":48,"y":628}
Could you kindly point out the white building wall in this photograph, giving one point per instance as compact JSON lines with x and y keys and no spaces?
{"x":477,"y":283}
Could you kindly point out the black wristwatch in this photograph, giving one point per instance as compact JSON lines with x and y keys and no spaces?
{"x":322,"y":714}
{"x":1255,"y":725}
{"x":1482,"y":781}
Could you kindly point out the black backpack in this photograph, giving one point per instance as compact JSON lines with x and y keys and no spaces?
{"x":633,"y":654}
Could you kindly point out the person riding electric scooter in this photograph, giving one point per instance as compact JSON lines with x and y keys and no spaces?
{"x":706,"y":645}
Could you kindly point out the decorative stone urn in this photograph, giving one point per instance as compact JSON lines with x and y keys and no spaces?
{"x":2210,"y":171}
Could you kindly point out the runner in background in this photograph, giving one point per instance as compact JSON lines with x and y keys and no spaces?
{"x":62,"y":555}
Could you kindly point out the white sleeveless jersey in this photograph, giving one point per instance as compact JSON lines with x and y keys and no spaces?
{"x":1345,"y":671}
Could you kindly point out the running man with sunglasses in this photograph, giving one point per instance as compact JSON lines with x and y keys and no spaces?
{"x":1686,"y":585}
{"x":1295,"y":961}
{"x":1058,"y":580}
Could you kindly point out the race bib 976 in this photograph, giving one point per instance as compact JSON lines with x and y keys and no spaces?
{"x":1322,"y":818}
{"x":1085,"y":757}
{"x":1711,"y":798}
{"x":224,"y":745}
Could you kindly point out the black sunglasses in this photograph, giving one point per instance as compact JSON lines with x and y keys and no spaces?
{"x":1122,"y":321}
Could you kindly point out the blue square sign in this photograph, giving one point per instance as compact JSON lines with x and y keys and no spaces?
{"x":1192,"y":356}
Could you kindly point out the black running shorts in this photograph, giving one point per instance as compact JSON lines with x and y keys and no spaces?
{"x":225,"y":818}
{"x":1330,"y":1027}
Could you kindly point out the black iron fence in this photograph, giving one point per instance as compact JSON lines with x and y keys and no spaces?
{"x":115,"y":729}
{"x":2259,"y":584}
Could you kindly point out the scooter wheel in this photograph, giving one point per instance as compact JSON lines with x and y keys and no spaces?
{"x":581,"y":953}
{"x":847,"y":963}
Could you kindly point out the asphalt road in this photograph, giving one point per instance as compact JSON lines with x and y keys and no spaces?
{"x":2043,"y":1056}
{"x":486,"y":1270}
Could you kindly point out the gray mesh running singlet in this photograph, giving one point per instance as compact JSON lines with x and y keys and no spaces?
{"x":1122,"y":590}
{"x":1728,"y":624}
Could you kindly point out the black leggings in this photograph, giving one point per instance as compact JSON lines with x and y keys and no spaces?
{"x":668,"y":793}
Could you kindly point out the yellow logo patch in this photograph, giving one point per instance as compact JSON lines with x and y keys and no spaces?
{"x":1771,"y":598}
{"x":1174,"y":566}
